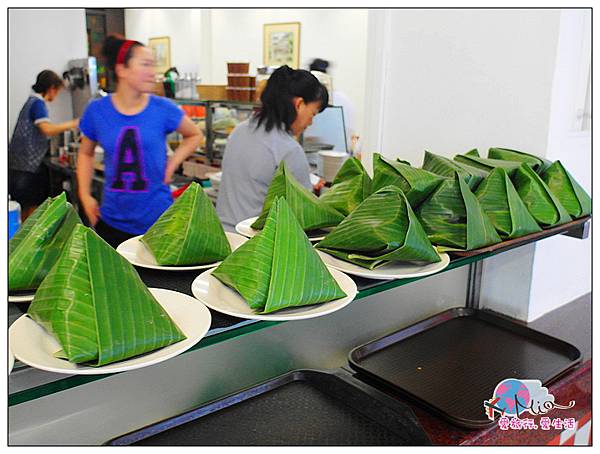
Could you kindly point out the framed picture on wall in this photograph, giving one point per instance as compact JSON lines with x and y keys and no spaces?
{"x":281,"y":44}
{"x":161,"y":47}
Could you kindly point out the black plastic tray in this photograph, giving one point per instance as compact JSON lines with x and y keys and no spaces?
{"x":303,"y":407}
{"x":450,"y":363}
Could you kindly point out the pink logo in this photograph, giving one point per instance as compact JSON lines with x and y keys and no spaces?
{"x":513,"y":397}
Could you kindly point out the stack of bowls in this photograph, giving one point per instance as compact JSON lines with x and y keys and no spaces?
{"x":331,"y":162}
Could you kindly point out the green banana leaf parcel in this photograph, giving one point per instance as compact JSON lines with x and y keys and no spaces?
{"x":278,"y":268}
{"x":416,"y":184}
{"x":501,"y":202}
{"x":97,"y":307}
{"x":473,"y":159}
{"x":310,"y":212}
{"x":539,"y":165}
{"x":188,"y":232}
{"x":35,"y":248}
{"x":382,"y":229}
{"x":445,"y":167}
{"x":562,"y":184}
{"x":350,"y":187}
{"x":541,"y":202}
{"x":453,"y":218}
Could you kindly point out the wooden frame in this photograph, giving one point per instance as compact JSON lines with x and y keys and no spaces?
{"x":161,"y":47}
{"x":281,"y":44}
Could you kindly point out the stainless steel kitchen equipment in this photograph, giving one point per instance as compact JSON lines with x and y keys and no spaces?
{"x":82,"y":82}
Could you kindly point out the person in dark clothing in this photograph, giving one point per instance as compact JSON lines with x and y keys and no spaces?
{"x":27,"y":178}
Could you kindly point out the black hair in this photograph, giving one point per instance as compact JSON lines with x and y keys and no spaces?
{"x":319,"y":64}
{"x":46,"y":80}
{"x":277,"y":110}
{"x":110,"y":50}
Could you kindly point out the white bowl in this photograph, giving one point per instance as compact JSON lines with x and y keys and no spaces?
{"x":333,"y":154}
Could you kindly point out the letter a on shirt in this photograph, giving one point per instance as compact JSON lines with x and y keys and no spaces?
{"x":129,"y":162}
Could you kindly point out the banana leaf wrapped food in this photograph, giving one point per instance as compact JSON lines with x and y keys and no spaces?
{"x":445,"y":167}
{"x":97,"y":307}
{"x":35,"y":248}
{"x":278,"y":268}
{"x":501,"y":202}
{"x":453,"y":218}
{"x":572,"y":196}
{"x":473,"y":159}
{"x":541,"y":202}
{"x":188,"y":232}
{"x":416,"y":184}
{"x":350,"y":187}
{"x":310,"y":212}
{"x":539,"y":165}
{"x":382,"y":229}
{"x":562,"y":184}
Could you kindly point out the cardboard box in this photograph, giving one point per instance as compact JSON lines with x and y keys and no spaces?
{"x":211,"y":92}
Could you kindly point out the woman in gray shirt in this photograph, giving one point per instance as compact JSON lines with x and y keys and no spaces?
{"x":256,"y":146}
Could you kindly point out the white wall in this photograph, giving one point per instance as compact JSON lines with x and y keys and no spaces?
{"x":335,"y":35}
{"x":41,"y":39}
{"x":562,"y":268}
{"x":235,"y":34}
{"x":183,"y":27}
{"x":459,"y":79}
{"x":451,"y":80}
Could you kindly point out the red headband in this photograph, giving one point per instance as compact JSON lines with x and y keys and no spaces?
{"x":123,"y":51}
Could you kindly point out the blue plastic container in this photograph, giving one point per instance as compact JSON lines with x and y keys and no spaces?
{"x":14,"y":217}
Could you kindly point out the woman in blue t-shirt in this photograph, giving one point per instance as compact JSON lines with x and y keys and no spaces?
{"x":28,"y":181}
{"x":131,"y":125}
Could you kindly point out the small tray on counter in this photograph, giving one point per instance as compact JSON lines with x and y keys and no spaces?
{"x":510,"y":244}
{"x":302,"y":407}
{"x":451,"y":362}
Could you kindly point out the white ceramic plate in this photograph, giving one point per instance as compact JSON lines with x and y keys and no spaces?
{"x":243,"y":228}
{"x":393,"y":270}
{"x":138,"y":254}
{"x":21,"y":298}
{"x":11,"y":360}
{"x":33,"y":345}
{"x":221,"y":298}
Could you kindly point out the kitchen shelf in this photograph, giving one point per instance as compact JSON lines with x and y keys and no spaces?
{"x":48,"y":383}
{"x":212,"y":152}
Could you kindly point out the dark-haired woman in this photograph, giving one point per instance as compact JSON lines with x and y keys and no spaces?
{"x":131,"y":125}
{"x":27,"y":178}
{"x":256,"y":146}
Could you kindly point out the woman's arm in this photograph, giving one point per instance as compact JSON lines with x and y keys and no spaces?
{"x":52,"y":129}
{"x":192,"y":137}
{"x":85,"y":172}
